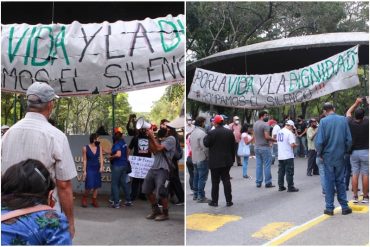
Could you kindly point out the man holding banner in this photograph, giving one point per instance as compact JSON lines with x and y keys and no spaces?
{"x":140,"y":147}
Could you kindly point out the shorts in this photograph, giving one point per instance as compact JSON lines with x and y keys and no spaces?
{"x":155,"y":182}
{"x":360,"y":162}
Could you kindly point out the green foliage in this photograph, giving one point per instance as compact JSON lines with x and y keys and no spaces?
{"x":76,"y":115}
{"x":169,"y":105}
{"x":218,"y":26}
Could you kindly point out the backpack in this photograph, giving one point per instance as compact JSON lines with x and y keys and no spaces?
{"x":178,"y":152}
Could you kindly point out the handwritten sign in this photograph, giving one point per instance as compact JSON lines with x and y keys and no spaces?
{"x":260,"y":91}
{"x":140,"y":166}
{"x":80,"y":59}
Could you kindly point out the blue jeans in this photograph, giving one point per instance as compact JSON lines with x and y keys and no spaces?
{"x":119,"y":179}
{"x":200,"y":179}
{"x":274,"y":152}
{"x":334,"y":178}
{"x":263,"y":165}
{"x":320,"y":164}
{"x":245,"y":165}
{"x":301,"y":149}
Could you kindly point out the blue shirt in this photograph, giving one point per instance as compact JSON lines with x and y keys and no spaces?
{"x":333,"y":138}
{"x":122,"y":146}
{"x":40,"y":228}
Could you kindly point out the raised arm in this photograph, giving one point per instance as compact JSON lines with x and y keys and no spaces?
{"x":353,"y":107}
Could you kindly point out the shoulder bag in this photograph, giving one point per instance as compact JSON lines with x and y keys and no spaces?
{"x":24,"y":211}
{"x":243,"y":149}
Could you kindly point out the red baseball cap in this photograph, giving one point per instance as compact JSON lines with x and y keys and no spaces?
{"x":218,"y":119}
{"x":118,"y":129}
{"x":271,"y":122}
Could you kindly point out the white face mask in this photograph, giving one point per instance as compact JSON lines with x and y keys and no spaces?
{"x":236,"y":121}
{"x":189,"y":122}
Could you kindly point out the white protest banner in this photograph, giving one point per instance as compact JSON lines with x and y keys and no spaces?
{"x":140,"y":166}
{"x":79,"y":59}
{"x":259,"y":91}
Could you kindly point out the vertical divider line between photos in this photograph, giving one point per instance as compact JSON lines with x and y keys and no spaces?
{"x":185,"y":112}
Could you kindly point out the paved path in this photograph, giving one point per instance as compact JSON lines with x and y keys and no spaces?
{"x":126,"y":225}
{"x":265,"y":215}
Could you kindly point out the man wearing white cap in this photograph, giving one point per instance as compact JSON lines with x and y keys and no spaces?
{"x":286,"y":144}
{"x":34,"y":137}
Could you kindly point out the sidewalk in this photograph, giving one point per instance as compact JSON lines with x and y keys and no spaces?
{"x":266,"y":216}
{"x":126,"y":225}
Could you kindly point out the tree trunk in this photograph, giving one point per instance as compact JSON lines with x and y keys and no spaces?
{"x":68,"y":111}
{"x":304,"y":106}
{"x":89,"y":115}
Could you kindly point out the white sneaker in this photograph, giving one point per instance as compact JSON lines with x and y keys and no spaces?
{"x":355,"y":199}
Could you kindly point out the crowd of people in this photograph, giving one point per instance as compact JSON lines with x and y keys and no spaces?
{"x":36,"y":153}
{"x":38,"y":169}
{"x":336,"y":148}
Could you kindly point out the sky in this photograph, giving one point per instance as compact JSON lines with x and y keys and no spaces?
{"x":142,"y":100}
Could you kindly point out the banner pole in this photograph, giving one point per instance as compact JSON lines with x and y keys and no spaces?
{"x":113,"y":112}
{"x":15,"y":109}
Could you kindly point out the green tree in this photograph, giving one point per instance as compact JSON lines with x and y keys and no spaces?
{"x":74,"y":115}
{"x":169,"y":105}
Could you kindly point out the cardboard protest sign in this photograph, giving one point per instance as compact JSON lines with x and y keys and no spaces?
{"x":140,"y":166}
{"x":260,"y":91}
{"x":80,"y":59}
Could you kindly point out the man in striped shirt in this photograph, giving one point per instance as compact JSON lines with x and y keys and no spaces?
{"x":34,"y":137}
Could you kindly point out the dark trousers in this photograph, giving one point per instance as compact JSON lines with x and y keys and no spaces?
{"x":311,"y":163}
{"x":222,"y":174}
{"x":136,"y":188}
{"x":237,"y":158}
{"x":286,"y":167}
{"x":190,"y":167}
{"x":175,"y":186}
{"x":347,"y":170}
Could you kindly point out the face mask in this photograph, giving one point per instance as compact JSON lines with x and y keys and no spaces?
{"x":266,"y":119}
{"x":97,"y":143}
{"x":189,"y":122}
{"x":236,"y":121}
{"x":162,"y":132}
{"x":314,"y":126}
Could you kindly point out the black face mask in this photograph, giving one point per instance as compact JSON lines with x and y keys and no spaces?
{"x":97,"y":143}
{"x":266,"y":119}
{"x":162,"y":132}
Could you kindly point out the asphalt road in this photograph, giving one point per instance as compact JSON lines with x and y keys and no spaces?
{"x":262,"y":215}
{"x":126,"y":225}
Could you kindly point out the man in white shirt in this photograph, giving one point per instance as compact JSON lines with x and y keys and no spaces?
{"x":286,"y":144}
{"x":275,"y":130}
{"x":34,"y":137}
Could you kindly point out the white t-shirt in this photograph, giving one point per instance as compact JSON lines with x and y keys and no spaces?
{"x":284,"y":139}
{"x":245,"y":135}
{"x":275,"y":130}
